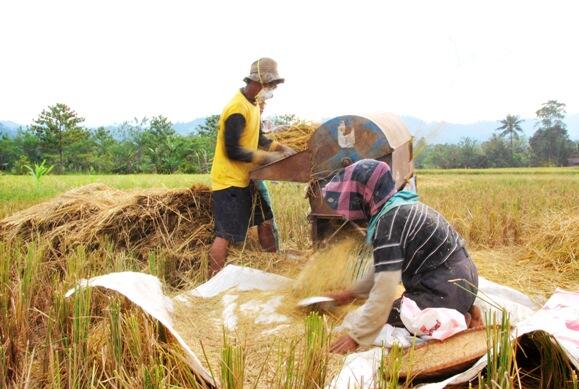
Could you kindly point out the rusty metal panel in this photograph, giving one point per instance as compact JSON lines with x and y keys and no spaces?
{"x":295,"y":168}
{"x":395,"y":131}
{"x":402,"y":164}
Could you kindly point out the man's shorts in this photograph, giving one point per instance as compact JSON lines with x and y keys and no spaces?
{"x":236,"y":209}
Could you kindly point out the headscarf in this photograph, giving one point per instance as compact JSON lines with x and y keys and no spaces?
{"x":360,"y":190}
{"x":366,"y":190}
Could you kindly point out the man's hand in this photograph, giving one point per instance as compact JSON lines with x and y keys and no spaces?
{"x":272,"y":157}
{"x":343,"y":345}
{"x":285,"y":150}
{"x":267,"y":157}
{"x":342,"y":298}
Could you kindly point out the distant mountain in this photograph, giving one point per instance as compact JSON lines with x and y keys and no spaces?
{"x":186,"y":128}
{"x":444,"y":132}
{"x":434,"y":132}
{"x":8,"y":127}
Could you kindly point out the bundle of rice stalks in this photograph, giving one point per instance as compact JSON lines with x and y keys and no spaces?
{"x":172,"y":219}
{"x":77,"y":204}
{"x":296,"y":135}
{"x":175,"y":224}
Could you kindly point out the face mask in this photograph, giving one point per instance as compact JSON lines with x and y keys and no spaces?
{"x":265,"y":94}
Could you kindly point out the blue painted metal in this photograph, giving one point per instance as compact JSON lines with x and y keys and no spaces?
{"x":333,"y":146}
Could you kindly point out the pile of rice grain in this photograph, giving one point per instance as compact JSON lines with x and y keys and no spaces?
{"x":248,"y":319}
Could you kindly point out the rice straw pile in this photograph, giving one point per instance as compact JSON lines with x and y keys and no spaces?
{"x":178,"y":222}
{"x":296,"y":135}
{"x":555,"y":243}
{"x":547,"y":260}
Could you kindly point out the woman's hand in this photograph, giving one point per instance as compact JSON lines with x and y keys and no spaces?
{"x":343,"y":345}
{"x":343,"y":297}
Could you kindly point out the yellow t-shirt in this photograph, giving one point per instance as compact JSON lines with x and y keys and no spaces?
{"x":224,"y":171}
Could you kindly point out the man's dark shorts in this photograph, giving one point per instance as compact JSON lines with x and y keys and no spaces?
{"x":236,"y":209}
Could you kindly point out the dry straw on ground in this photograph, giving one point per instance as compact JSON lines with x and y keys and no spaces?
{"x":176,"y":223}
{"x":135,"y":220}
{"x":547,"y":260}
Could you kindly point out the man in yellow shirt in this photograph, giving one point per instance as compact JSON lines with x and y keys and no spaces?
{"x":240,"y":147}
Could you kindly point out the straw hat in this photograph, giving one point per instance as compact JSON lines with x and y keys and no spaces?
{"x":264,"y":71}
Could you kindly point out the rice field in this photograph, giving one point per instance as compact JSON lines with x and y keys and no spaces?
{"x":521,"y":225}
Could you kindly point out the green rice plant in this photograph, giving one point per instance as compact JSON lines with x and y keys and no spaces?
{"x":156,"y":265}
{"x":393,"y":363}
{"x":501,"y":370}
{"x":303,"y":362}
{"x":317,"y":347}
{"x":39,"y":171}
{"x":115,"y":329}
{"x":133,"y":335}
{"x":388,"y":374}
{"x":285,"y":375}
{"x":232,"y":364}
{"x":78,"y":355}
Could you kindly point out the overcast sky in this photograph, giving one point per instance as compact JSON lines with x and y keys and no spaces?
{"x":457,"y":61}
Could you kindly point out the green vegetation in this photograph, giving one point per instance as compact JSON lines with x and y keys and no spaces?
{"x":151,"y":145}
{"x":39,"y":171}
{"x":550,"y":145}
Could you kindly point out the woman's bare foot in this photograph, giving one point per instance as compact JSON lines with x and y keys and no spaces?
{"x":476,"y":319}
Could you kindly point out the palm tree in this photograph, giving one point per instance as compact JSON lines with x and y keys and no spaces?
{"x":510,"y":126}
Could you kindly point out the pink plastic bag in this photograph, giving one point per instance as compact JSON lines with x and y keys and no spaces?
{"x":431,"y":323}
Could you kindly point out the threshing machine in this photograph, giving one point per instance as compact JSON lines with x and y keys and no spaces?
{"x":336,"y":144}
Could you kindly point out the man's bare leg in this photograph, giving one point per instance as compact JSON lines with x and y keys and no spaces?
{"x":267,"y":236}
{"x":217,"y":255}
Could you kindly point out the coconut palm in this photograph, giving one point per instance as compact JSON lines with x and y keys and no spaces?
{"x":510,"y":126}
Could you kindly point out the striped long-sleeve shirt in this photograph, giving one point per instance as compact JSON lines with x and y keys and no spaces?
{"x":414,"y":239}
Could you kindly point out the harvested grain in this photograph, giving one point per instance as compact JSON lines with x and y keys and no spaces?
{"x":266,"y":324}
{"x":554,"y":241}
{"x":334,"y":268}
{"x":296,"y":136}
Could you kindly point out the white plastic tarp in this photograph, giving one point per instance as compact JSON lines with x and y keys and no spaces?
{"x":559,"y":316}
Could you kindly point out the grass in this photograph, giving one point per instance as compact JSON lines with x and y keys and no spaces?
{"x":518,"y":225}
{"x":509,"y":171}
{"x":19,"y":192}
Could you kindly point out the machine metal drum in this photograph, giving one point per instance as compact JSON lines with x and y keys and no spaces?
{"x":336,"y":144}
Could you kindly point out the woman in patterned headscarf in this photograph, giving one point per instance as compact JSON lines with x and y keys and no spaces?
{"x":412,"y":243}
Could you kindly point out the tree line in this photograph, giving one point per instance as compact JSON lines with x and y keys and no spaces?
{"x":145,"y":145}
{"x":58,"y":137}
{"x":550,"y":145}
